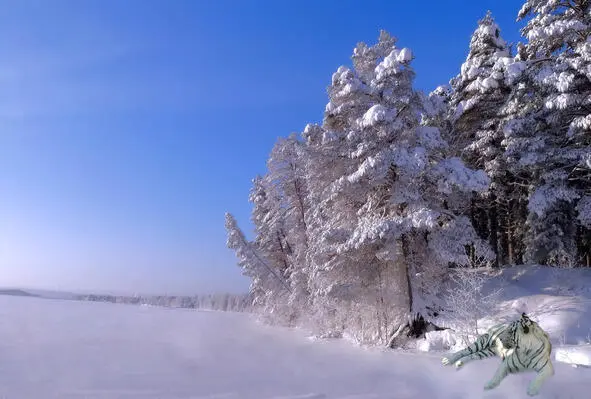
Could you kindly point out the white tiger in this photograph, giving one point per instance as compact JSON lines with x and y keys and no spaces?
{"x":522,"y":345}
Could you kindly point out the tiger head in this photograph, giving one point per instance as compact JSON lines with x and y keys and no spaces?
{"x":531,"y":336}
{"x":528,"y":326}
{"x":526,"y":323}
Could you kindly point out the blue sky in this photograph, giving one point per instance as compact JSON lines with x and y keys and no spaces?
{"x":129,"y":127}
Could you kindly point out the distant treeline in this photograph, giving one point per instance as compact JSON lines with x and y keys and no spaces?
{"x":15,"y":292}
{"x":224,"y":302}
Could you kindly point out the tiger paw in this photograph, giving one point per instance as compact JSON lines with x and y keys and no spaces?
{"x":458,"y":364}
{"x":490,"y":385}
{"x":533,"y":390}
{"x":445,"y":361}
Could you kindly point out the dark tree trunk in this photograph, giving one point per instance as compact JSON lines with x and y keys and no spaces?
{"x":520,"y":225}
{"x":584,"y":245}
{"x":405,"y":255}
{"x":493,"y":228}
{"x":416,"y":326}
{"x":503,"y":232}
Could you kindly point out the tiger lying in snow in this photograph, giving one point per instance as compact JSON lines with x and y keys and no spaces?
{"x":522,"y":345}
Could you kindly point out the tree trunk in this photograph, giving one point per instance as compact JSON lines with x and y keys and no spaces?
{"x":512,"y":217}
{"x":493,"y":228}
{"x":584,"y":245}
{"x":382,"y":314}
{"x":416,"y":326}
{"x":502,"y":232}
{"x":520,"y":221}
{"x":406,"y":265}
{"x":401,"y":328}
{"x":510,"y":257}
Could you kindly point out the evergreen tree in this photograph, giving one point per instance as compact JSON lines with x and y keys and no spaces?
{"x":359,"y":220}
{"x":287,"y":177}
{"x":559,"y":57}
{"x":387,"y":227}
{"x":270,"y":227}
{"x":268,"y":288}
{"x":479,"y":93}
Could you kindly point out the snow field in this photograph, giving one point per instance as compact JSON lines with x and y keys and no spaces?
{"x":66,"y":349}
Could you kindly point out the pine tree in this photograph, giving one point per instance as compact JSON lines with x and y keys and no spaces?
{"x":287,"y":177}
{"x":559,"y":58}
{"x":385,"y":232}
{"x":267,"y":284}
{"x":479,"y":93}
{"x":358,"y":221}
{"x":270,"y":226}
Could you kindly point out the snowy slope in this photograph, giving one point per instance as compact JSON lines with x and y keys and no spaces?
{"x":558,"y":299}
{"x":66,"y":349}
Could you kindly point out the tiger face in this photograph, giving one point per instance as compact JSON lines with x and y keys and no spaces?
{"x":526,"y":323}
{"x":530,"y":334}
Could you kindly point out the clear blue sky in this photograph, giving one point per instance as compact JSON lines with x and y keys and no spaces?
{"x":129,"y":127}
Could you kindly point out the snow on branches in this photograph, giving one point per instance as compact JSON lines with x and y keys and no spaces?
{"x":359,"y":219}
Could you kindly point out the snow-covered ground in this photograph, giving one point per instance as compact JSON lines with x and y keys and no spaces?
{"x":558,"y":299}
{"x":66,"y":349}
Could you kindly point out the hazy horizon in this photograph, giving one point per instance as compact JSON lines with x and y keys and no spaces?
{"x":33,"y":290}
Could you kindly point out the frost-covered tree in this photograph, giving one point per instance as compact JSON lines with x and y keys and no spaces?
{"x":365,"y":58}
{"x":557,"y":155}
{"x":268,"y":288}
{"x":268,"y":218}
{"x":479,"y":92}
{"x":286,"y":177}
{"x":279,"y":251}
{"x":384,"y":232}
{"x":360,"y":220}
{"x":437,"y":107}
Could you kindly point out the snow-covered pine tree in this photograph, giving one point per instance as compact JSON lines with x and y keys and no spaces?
{"x":559,"y":60}
{"x":278,"y":253}
{"x":267,"y":285}
{"x":270,"y":227}
{"x":287,"y":177}
{"x":479,"y":92}
{"x":365,"y":58}
{"x":384,"y":232}
{"x":437,"y":107}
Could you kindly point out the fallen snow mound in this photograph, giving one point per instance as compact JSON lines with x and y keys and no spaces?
{"x":577,"y":355}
